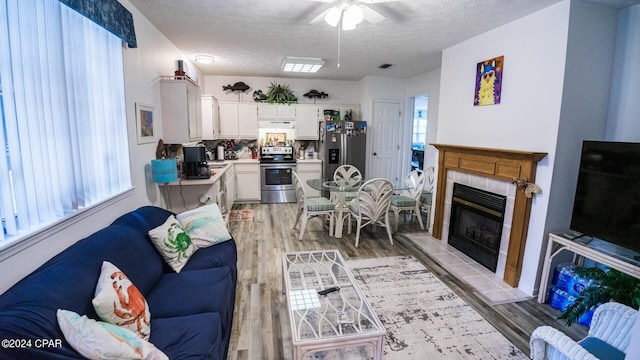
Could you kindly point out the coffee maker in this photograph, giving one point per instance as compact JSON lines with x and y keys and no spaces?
{"x":195,"y":163}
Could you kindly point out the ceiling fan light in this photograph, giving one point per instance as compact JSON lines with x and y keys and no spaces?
{"x":204,"y":59}
{"x":333,"y":16}
{"x":353,"y":14}
{"x":348,"y":25}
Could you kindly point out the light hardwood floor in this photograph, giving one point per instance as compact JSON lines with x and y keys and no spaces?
{"x":261,"y":323}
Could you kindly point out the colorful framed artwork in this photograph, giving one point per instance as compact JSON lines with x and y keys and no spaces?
{"x":489,"y":82}
{"x":145,"y":125}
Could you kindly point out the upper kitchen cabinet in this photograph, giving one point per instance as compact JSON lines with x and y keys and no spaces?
{"x":276,"y":111}
{"x":210,"y":118}
{"x":307,"y":122}
{"x":181,"y":111}
{"x":238,"y":120}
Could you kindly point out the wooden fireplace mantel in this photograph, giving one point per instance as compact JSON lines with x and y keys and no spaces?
{"x":498,"y":164}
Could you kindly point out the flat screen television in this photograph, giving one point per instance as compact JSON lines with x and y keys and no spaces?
{"x":607,"y":202}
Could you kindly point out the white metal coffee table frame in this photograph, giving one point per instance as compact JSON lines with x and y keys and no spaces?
{"x":306,"y":272}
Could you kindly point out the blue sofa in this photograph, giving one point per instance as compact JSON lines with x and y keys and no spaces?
{"x":191,"y":311}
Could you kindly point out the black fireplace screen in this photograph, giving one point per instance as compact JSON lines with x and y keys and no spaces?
{"x":475,"y":226}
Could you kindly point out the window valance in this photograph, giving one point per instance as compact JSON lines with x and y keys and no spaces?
{"x":109,"y":14}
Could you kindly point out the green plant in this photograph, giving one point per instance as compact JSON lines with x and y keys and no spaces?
{"x":280,"y":94}
{"x":611,"y":285}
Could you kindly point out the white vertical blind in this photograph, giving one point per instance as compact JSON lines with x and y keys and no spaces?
{"x":64,"y":120}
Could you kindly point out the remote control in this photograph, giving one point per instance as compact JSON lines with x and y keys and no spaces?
{"x":329,"y":290}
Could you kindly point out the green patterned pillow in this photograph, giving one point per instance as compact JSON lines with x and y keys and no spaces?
{"x":204,"y":225}
{"x":173,"y":243}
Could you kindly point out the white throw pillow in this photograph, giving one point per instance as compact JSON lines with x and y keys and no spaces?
{"x":100,"y":340}
{"x":118,"y":302}
{"x":204,"y":225}
{"x":174,"y":244}
{"x":633,"y":350}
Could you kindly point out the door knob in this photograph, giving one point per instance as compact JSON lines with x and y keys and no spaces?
{"x":375,"y":154}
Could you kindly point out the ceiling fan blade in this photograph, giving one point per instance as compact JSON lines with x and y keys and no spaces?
{"x":320,"y":17}
{"x":371,"y":15}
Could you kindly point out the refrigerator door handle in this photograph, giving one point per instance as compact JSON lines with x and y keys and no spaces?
{"x":345,"y":149}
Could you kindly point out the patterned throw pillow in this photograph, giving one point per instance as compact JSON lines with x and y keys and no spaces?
{"x":100,"y":340}
{"x":174,"y":244}
{"x":204,"y":225}
{"x":118,"y":302}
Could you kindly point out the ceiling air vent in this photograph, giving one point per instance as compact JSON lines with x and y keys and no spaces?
{"x":384,"y":66}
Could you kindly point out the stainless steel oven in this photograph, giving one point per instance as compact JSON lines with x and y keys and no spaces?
{"x":276,"y":174}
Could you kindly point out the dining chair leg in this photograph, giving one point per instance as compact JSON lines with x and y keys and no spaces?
{"x":331,"y":229}
{"x":295,"y":224}
{"x":304,"y":225}
{"x":388,"y":228}
{"x":358,"y":231}
{"x":419,"y":216}
{"x":396,"y":214}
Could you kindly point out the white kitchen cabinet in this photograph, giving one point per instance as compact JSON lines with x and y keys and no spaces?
{"x":306,"y":122}
{"x":238,"y":120}
{"x":248,"y":182}
{"x":181,"y":111}
{"x":210,"y":118}
{"x":307,"y":170}
{"x":276,"y":111}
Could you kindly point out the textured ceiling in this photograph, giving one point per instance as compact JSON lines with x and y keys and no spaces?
{"x":251,"y":37}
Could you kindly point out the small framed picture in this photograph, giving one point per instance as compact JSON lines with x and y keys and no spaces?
{"x":145,"y":123}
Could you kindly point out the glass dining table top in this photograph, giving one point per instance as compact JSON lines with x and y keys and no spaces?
{"x":331,"y":185}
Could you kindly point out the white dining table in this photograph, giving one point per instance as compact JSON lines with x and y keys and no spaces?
{"x":341,"y":190}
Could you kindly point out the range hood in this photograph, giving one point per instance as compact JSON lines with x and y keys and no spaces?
{"x":274,"y":124}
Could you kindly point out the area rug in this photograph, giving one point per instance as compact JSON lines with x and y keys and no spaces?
{"x":425,"y":319}
{"x":241,"y":215}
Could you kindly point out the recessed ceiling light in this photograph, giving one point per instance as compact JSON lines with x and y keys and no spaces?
{"x":300,"y":64}
{"x":204,"y":59}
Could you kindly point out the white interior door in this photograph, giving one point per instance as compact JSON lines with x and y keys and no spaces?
{"x":387,"y":130}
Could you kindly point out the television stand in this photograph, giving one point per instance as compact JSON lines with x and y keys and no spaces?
{"x":600,"y":251}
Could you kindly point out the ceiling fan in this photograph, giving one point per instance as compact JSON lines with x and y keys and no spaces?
{"x":349,"y":13}
{"x":346,"y":14}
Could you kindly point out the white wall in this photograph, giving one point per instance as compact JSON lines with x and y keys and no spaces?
{"x":624,"y":107}
{"x":155,"y":56}
{"x":585,"y":101}
{"x":555,"y":93}
{"x":340,"y":92}
{"x":527,"y":118}
{"x":428,"y":83}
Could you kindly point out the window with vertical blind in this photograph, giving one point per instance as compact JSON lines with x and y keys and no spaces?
{"x":62,"y":105}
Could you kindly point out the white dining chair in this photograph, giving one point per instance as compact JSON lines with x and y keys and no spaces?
{"x":409,"y":199}
{"x":371,"y":206}
{"x":309,"y":207}
{"x":347,"y":175}
{"x":426,"y":199}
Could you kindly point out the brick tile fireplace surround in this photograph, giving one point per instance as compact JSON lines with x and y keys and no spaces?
{"x":492,"y":170}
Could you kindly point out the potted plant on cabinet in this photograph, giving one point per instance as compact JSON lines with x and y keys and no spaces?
{"x":280,"y":94}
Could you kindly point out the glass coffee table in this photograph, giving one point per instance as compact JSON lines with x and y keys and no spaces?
{"x":341,"y":318}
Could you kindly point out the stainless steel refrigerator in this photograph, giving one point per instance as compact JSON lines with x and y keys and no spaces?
{"x":342,"y":142}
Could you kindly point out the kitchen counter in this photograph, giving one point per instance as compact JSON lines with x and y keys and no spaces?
{"x":218,"y":167}
{"x":309,"y":161}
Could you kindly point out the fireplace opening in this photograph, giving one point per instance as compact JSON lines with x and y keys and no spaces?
{"x":475,"y":226}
